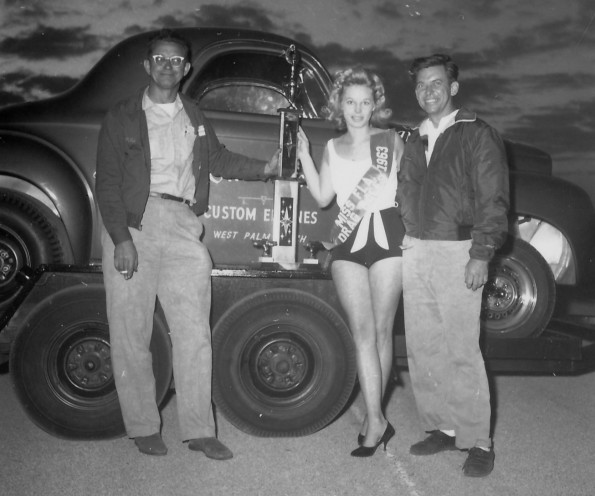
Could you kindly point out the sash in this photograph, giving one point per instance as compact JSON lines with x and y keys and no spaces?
{"x":367,"y":190}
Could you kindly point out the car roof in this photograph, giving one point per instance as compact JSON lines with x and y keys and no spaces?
{"x":119,"y":72}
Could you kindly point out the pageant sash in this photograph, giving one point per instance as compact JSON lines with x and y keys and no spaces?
{"x":367,"y":190}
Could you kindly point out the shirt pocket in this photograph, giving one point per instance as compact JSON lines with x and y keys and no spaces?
{"x":188,"y":141}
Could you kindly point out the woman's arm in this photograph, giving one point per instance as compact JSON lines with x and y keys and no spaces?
{"x":319,"y":183}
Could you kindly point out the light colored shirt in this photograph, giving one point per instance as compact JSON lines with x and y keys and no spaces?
{"x":428,"y":129}
{"x":171,"y":139}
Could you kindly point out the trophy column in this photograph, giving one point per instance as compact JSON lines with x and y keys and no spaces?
{"x":286,"y":208}
{"x":282,"y":248}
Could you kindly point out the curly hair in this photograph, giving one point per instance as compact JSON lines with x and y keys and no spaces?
{"x":351,"y":76}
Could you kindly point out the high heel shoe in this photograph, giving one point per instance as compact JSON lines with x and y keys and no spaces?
{"x":364,"y":451}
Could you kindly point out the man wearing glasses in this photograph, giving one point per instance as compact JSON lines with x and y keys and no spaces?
{"x":156,"y":151}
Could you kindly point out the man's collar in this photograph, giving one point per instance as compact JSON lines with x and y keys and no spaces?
{"x":147,"y":103}
{"x":427,"y":126}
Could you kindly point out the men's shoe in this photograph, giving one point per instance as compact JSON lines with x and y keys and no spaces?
{"x":479,"y":463}
{"x":436,"y":442}
{"x":211,"y":447}
{"x":151,"y":445}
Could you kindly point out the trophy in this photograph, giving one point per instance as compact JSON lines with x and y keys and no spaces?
{"x":290,"y":121}
{"x":282,"y":248}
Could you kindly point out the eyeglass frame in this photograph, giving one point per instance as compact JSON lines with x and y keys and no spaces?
{"x":168,"y":59}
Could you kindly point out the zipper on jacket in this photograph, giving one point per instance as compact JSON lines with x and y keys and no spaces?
{"x":423,"y":194}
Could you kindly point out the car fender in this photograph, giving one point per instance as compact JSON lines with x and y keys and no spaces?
{"x":38,"y":169}
{"x":563,"y":205}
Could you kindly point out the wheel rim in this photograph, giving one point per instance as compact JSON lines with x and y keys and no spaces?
{"x":13,"y":255}
{"x":277,"y":366}
{"x":79,"y":366}
{"x":510,"y":296}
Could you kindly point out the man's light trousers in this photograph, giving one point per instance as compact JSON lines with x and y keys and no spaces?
{"x":442,"y":326}
{"x":175,"y":266}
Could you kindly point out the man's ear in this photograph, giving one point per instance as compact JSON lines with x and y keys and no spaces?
{"x":454,"y":88}
{"x":147,"y":66}
{"x":187,"y":67}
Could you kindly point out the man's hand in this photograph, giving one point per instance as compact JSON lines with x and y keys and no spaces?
{"x":476,"y":273}
{"x":126,"y":258}
{"x":272,"y":167}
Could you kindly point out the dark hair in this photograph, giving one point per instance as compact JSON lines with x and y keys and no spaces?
{"x":350,"y":77}
{"x":172,"y":37}
{"x":452,"y":70}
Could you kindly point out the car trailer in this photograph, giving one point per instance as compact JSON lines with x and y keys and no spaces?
{"x":566,"y":346}
{"x":280,"y":347}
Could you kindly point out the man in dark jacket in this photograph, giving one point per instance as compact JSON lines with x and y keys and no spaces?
{"x":156,"y":152}
{"x":453,"y":190}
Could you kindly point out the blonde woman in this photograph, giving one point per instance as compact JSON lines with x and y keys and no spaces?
{"x":359,"y":168}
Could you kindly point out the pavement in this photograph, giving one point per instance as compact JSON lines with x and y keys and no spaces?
{"x":544,"y":446}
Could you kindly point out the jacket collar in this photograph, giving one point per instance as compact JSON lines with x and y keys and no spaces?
{"x":463,"y":115}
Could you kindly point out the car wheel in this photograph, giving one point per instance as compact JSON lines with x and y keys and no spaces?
{"x":29,"y":235}
{"x":519,"y":297}
{"x":284,"y":363}
{"x":61,"y":366}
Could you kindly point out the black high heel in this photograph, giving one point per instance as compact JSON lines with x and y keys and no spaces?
{"x":364,"y":451}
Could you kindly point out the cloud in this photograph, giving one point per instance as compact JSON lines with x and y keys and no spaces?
{"x":27,"y":11}
{"x":388,"y":10}
{"x":243,"y":15}
{"x":246,"y":15}
{"x":563,"y":131}
{"x":46,"y":42}
{"x":25,"y":86}
{"x":481,"y":9}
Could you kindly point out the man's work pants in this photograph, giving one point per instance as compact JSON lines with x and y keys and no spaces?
{"x":446,"y":367}
{"x":175,"y":266}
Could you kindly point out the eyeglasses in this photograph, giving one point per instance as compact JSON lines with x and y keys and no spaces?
{"x":175,"y":61}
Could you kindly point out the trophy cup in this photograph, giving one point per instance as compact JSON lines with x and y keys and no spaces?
{"x":282,"y":248}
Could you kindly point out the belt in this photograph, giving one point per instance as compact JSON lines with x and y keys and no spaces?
{"x":166,"y":196}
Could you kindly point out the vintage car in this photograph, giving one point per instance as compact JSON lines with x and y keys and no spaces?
{"x":283,"y":358}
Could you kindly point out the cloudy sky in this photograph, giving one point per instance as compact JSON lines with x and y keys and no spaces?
{"x":527,"y":66}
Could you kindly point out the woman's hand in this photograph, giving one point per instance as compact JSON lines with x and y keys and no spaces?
{"x":303,"y":146}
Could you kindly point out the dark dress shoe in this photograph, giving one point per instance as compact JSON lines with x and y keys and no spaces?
{"x":365,"y":451}
{"x":436,"y":442}
{"x":211,"y":447}
{"x":479,"y":463}
{"x":151,"y":445}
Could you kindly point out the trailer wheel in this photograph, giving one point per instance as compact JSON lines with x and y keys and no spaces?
{"x":520,"y":295}
{"x":61,"y":366}
{"x":284,"y":364}
{"x":29,"y":235}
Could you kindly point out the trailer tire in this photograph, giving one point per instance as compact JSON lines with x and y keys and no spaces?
{"x":284,"y":364}
{"x":520,"y":295}
{"x":60,"y":364}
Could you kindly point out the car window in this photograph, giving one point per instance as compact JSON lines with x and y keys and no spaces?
{"x":243,"y":98}
{"x":254,"y":81}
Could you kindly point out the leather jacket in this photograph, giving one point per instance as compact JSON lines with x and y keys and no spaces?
{"x":463,"y":192}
